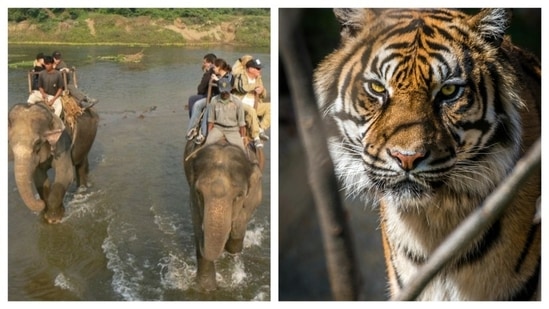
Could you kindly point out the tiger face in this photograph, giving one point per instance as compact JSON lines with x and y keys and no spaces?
{"x":423,"y":103}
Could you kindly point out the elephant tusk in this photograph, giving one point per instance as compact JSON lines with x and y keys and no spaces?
{"x":192,"y":154}
{"x":56,"y":131}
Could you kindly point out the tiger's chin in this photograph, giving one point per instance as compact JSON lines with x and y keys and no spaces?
{"x":408,"y":195}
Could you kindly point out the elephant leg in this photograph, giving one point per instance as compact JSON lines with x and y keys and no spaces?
{"x":42,"y":183}
{"x":64,"y":175}
{"x":234,"y":245}
{"x":205,"y":273}
{"x":82,"y":171}
{"x":55,"y":209}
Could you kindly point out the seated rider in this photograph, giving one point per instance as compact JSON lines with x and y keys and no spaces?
{"x":38,"y":66}
{"x":81,"y":98}
{"x":226,"y":117}
{"x":50,"y":88}
{"x":202,"y":88}
{"x":239,"y":65}
{"x":248,"y":87}
{"x":221,"y":70}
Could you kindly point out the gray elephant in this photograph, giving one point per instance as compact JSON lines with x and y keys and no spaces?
{"x":39,"y":141}
{"x":225,"y":190}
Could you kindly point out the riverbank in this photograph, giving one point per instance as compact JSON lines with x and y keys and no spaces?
{"x":92,"y":28}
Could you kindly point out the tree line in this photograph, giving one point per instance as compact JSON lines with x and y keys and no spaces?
{"x":196,"y":14}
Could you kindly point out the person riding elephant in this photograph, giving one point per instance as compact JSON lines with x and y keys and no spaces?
{"x":225,"y":190}
{"x":39,"y":141}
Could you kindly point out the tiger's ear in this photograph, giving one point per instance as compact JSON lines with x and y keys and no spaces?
{"x":353,"y":20}
{"x":491,"y":24}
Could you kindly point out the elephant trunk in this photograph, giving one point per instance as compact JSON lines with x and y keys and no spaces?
{"x":24,"y":166}
{"x":217,"y":227}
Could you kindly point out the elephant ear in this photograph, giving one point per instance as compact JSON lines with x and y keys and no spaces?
{"x":57,"y":126}
{"x":254,"y":194}
{"x":52,"y":136}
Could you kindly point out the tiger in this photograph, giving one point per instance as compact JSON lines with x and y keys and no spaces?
{"x":427,"y":111}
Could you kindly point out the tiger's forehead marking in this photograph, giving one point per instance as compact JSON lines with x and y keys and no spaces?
{"x":412,"y":59}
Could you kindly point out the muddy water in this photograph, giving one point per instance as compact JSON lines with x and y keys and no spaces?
{"x":129,"y":236}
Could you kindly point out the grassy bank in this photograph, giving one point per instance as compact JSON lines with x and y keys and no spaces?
{"x":139,"y":27}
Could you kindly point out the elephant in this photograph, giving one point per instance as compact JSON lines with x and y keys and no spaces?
{"x":225,"y":190}
{"x":39,"y":141}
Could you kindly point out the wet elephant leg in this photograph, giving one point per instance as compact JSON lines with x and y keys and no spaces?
{"x":64,"y":175}
{"x":55,"y":209}
{"x":82,"y":171}
{"x":234,"y":245}
{"x":42,"y":183}
{"x":205,"y":273}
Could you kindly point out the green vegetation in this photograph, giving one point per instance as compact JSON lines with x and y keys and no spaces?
{"x":139,"y":26}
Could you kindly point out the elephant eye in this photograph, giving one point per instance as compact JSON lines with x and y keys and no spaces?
{"x":239,"y":196}
{"x":37,"y":145}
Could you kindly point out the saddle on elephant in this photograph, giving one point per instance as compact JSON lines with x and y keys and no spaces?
{"x":255,"y":155}
{"x":71,"y":98}
{"x":71,"y":109}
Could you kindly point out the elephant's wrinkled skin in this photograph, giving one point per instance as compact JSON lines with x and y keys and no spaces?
{"x":225,"y":190}
{"x":38,"y":142}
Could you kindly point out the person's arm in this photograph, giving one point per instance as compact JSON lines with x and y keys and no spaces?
{"x":263,"y":91}
{"x":57,"y":95}
{"x":203,"y":86}
{"x":240,"y":116}
{"x":241,"y":84}
{"x":41,"y":88}
{"x":211,"y":116}
{"x":44,"y":94}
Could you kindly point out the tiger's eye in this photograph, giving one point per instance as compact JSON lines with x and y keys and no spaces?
{"x":448,"y":90}
{"x":377,"y":87}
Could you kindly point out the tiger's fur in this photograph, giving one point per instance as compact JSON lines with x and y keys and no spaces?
{"x":431,"y":110}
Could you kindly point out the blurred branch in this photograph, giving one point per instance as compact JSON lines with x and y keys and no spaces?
{"x":475,"y":224}
{"x":342,"y":270}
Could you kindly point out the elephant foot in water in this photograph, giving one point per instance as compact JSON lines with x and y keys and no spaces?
{"x":234,"y":245}
{"x":206,"y":275}
{"x":55,"y":210}
{"x":55,"y":216}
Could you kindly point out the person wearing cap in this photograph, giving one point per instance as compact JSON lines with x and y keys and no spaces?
{"x":239,"y":64}
{"x":250,"y":90}
{"x":221,"y":69}
{"x":202,"y":88}
{"x":50,"y":86}
{"x":59,"y":64}
{"x":82,"y":98}
{"x":226,"y":117}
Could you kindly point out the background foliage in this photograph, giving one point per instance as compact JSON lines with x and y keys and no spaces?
{"x":70,"y":24}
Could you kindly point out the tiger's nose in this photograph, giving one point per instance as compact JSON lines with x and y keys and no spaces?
{"x":407,"y":160}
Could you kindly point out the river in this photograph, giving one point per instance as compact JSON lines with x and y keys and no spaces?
{"x":129,"y":236}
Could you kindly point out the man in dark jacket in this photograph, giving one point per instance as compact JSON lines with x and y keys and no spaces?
{"x":202,"y":89}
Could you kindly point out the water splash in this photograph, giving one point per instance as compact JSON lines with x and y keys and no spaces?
{"x":175,"y":273}
{"x":80,"y":203}
{"x":128,"y":278}
{"x":66,"y":283}
{"x":254,"y":237}
{"x":263,"y":294}
{"x":238,"y":272}
{"x":63,"y":282}
{"x":169,"y":225}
